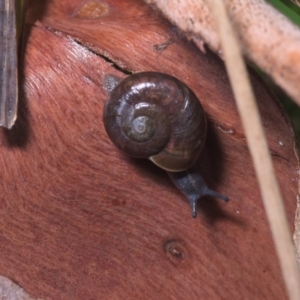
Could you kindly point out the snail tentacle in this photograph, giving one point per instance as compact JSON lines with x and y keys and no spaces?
{"x":193,"y":186}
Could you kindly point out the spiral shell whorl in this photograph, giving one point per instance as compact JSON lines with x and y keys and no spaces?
{"x":156,"y":116}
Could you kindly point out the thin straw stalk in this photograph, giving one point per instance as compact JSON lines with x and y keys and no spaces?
{"x":259,"y":150}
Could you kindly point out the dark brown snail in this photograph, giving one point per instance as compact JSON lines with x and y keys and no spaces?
{"x":156,"y":116}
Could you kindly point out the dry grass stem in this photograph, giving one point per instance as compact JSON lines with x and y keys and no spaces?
{"x":297,"y":2}
{"x":259,"y":150}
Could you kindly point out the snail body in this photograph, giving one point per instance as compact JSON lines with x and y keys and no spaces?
{"x":156,"y":116}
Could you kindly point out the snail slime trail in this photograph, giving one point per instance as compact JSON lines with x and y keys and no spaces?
{"x":156,"y":116}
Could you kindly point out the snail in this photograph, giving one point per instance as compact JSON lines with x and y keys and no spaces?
{"x":156,"y":116}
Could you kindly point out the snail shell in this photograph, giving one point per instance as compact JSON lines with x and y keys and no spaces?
{"x":156,"y":116}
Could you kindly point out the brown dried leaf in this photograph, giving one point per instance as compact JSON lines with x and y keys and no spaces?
{"x":80,"y":220}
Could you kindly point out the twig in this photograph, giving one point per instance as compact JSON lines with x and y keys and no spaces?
{"x":8,"y":63}
{"x":259,"y":150}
